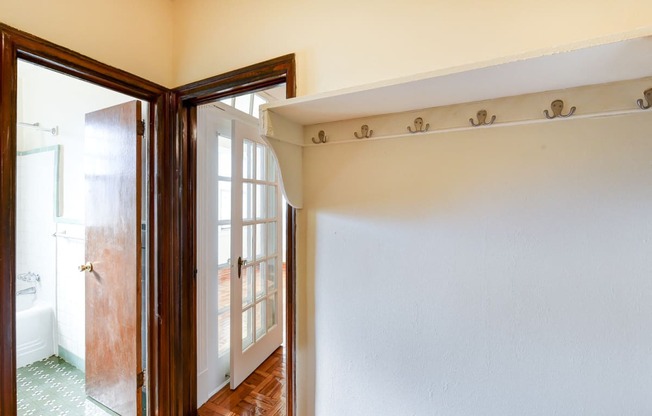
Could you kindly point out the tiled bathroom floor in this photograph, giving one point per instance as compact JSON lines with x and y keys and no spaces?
{"x":53,"y":387}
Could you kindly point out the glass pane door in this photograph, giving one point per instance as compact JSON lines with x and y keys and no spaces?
{"x":256,"y":214}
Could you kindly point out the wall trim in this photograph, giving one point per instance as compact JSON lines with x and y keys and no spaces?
{"x":186,"y":99}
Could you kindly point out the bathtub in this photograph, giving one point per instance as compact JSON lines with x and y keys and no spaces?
{"x":34,"y":330}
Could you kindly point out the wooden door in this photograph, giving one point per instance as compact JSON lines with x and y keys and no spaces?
{"x":112,"y":166}
{"x":256,"y":247}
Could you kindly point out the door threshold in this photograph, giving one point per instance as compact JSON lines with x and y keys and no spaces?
{"x":101,"y":406}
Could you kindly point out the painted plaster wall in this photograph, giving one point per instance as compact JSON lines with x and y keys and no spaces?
{"x":135,"y":36}
{"x":343,"y":43}
{"x":497,"y":272}
{"x":338,"y":45}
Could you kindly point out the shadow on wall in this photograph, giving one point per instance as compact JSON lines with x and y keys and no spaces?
{"x":499,"y":272}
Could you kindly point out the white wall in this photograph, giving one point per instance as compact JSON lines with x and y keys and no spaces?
{"x":496,"y":272}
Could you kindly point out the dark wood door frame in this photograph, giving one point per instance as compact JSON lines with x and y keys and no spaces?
{"x":172,"y":378}
{"x":164,"y":349}
{"x":186,"y":99}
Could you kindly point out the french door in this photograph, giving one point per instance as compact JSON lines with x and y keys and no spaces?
{"x":239,"y":287}
{"x":256,"y":241}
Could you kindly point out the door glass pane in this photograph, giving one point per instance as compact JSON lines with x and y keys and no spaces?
{"x":261,"y":202}
{"x":261,"y":241}
{"x":271,"y":276}
{"x":228,"y":101}
{"x":271,"y":201}
{"x":243,"y":103}
{"x":271,"y":310}
{"x":247,"y":328}
{"x":261,"y":313}
{"x":247,"y":159}
{"x":247,"y":201}
{"x":223,"y":244}
{"x":247,"y":286}
{"x":224,"y":200}
{"x":260,"y":280}
{"x":224,"y":156}
{"x":223,"y":333}
{"x":224,"y":290}
{"x":271,"y":238}
{"x":261,"y":162}
{"x":258,"y":101}
{"x":247,"y":241}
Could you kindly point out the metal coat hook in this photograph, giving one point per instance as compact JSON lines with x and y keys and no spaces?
{"x":482,"y":119}
{"x":648,"y":97}
{"x":557,"y":106}
{"x":365,"y":133}
{"x":321,"y":138}
{"x":418,"y":126}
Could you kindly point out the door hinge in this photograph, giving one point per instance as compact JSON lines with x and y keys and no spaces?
{"x":140,"y":128}
{"x":141,"y":379}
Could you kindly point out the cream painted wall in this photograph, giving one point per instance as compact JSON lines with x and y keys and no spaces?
{"x":341,"y":43}
{"x":338,"y":44}
{"x":500,"y":271}
{"x":133,"y":35}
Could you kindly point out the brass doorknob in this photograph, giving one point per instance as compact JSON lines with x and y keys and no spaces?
{"x":88,"y":267}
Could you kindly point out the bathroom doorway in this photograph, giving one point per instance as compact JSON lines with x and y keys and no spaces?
{"x":81,"y":234}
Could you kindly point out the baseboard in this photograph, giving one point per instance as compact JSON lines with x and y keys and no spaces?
{"x":73,"y":359}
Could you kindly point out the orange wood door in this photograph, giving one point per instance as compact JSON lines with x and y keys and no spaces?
{"x":112,"y":167}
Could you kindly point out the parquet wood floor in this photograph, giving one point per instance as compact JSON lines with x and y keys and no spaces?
{"x":262,"y":393}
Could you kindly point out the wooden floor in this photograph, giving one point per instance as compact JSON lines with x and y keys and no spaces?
{"x":262,"y":393}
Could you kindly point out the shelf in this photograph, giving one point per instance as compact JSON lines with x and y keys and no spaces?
{"x":617,"y":61}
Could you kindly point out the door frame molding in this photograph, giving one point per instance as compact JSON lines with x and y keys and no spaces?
{"x":163,"y":351}
{"x":186,"y":99}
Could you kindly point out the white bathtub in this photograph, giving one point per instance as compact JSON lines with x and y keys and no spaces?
{"x":34,"y":330}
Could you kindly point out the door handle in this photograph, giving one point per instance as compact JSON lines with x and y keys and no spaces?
{"x":241,"y":263}
{"x":88,"y":267}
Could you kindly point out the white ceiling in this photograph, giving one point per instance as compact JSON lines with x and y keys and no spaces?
{"x":625,"y":60}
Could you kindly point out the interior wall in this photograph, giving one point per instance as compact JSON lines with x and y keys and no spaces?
{"x":382,"y":41}
{"x":498,"y":271}
{"x":131,"y":35}
{"x":342,"y":44}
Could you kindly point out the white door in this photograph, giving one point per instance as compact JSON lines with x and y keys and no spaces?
{"x":256,"y":242}
{"x":239,"y":216}
{"x":214,"y":156}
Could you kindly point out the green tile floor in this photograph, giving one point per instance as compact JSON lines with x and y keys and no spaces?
{"x":53,"y":387}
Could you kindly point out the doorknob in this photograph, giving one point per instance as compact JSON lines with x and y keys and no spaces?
{"x":241,"y":263}
{"x":88,"y":267}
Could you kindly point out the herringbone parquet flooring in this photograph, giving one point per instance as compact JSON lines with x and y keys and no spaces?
{"x":262,"y":393}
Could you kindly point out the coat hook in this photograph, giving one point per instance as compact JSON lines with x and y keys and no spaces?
{"x":482,"y":119}
{"x":321,"y":138}
{"x":557,"y":106}
{"x":418,"y":126}
{"x":365,"y":133}
{"x":648,"y":97}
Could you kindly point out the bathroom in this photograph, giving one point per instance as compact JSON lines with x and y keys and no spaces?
{"x":51,"y":215}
